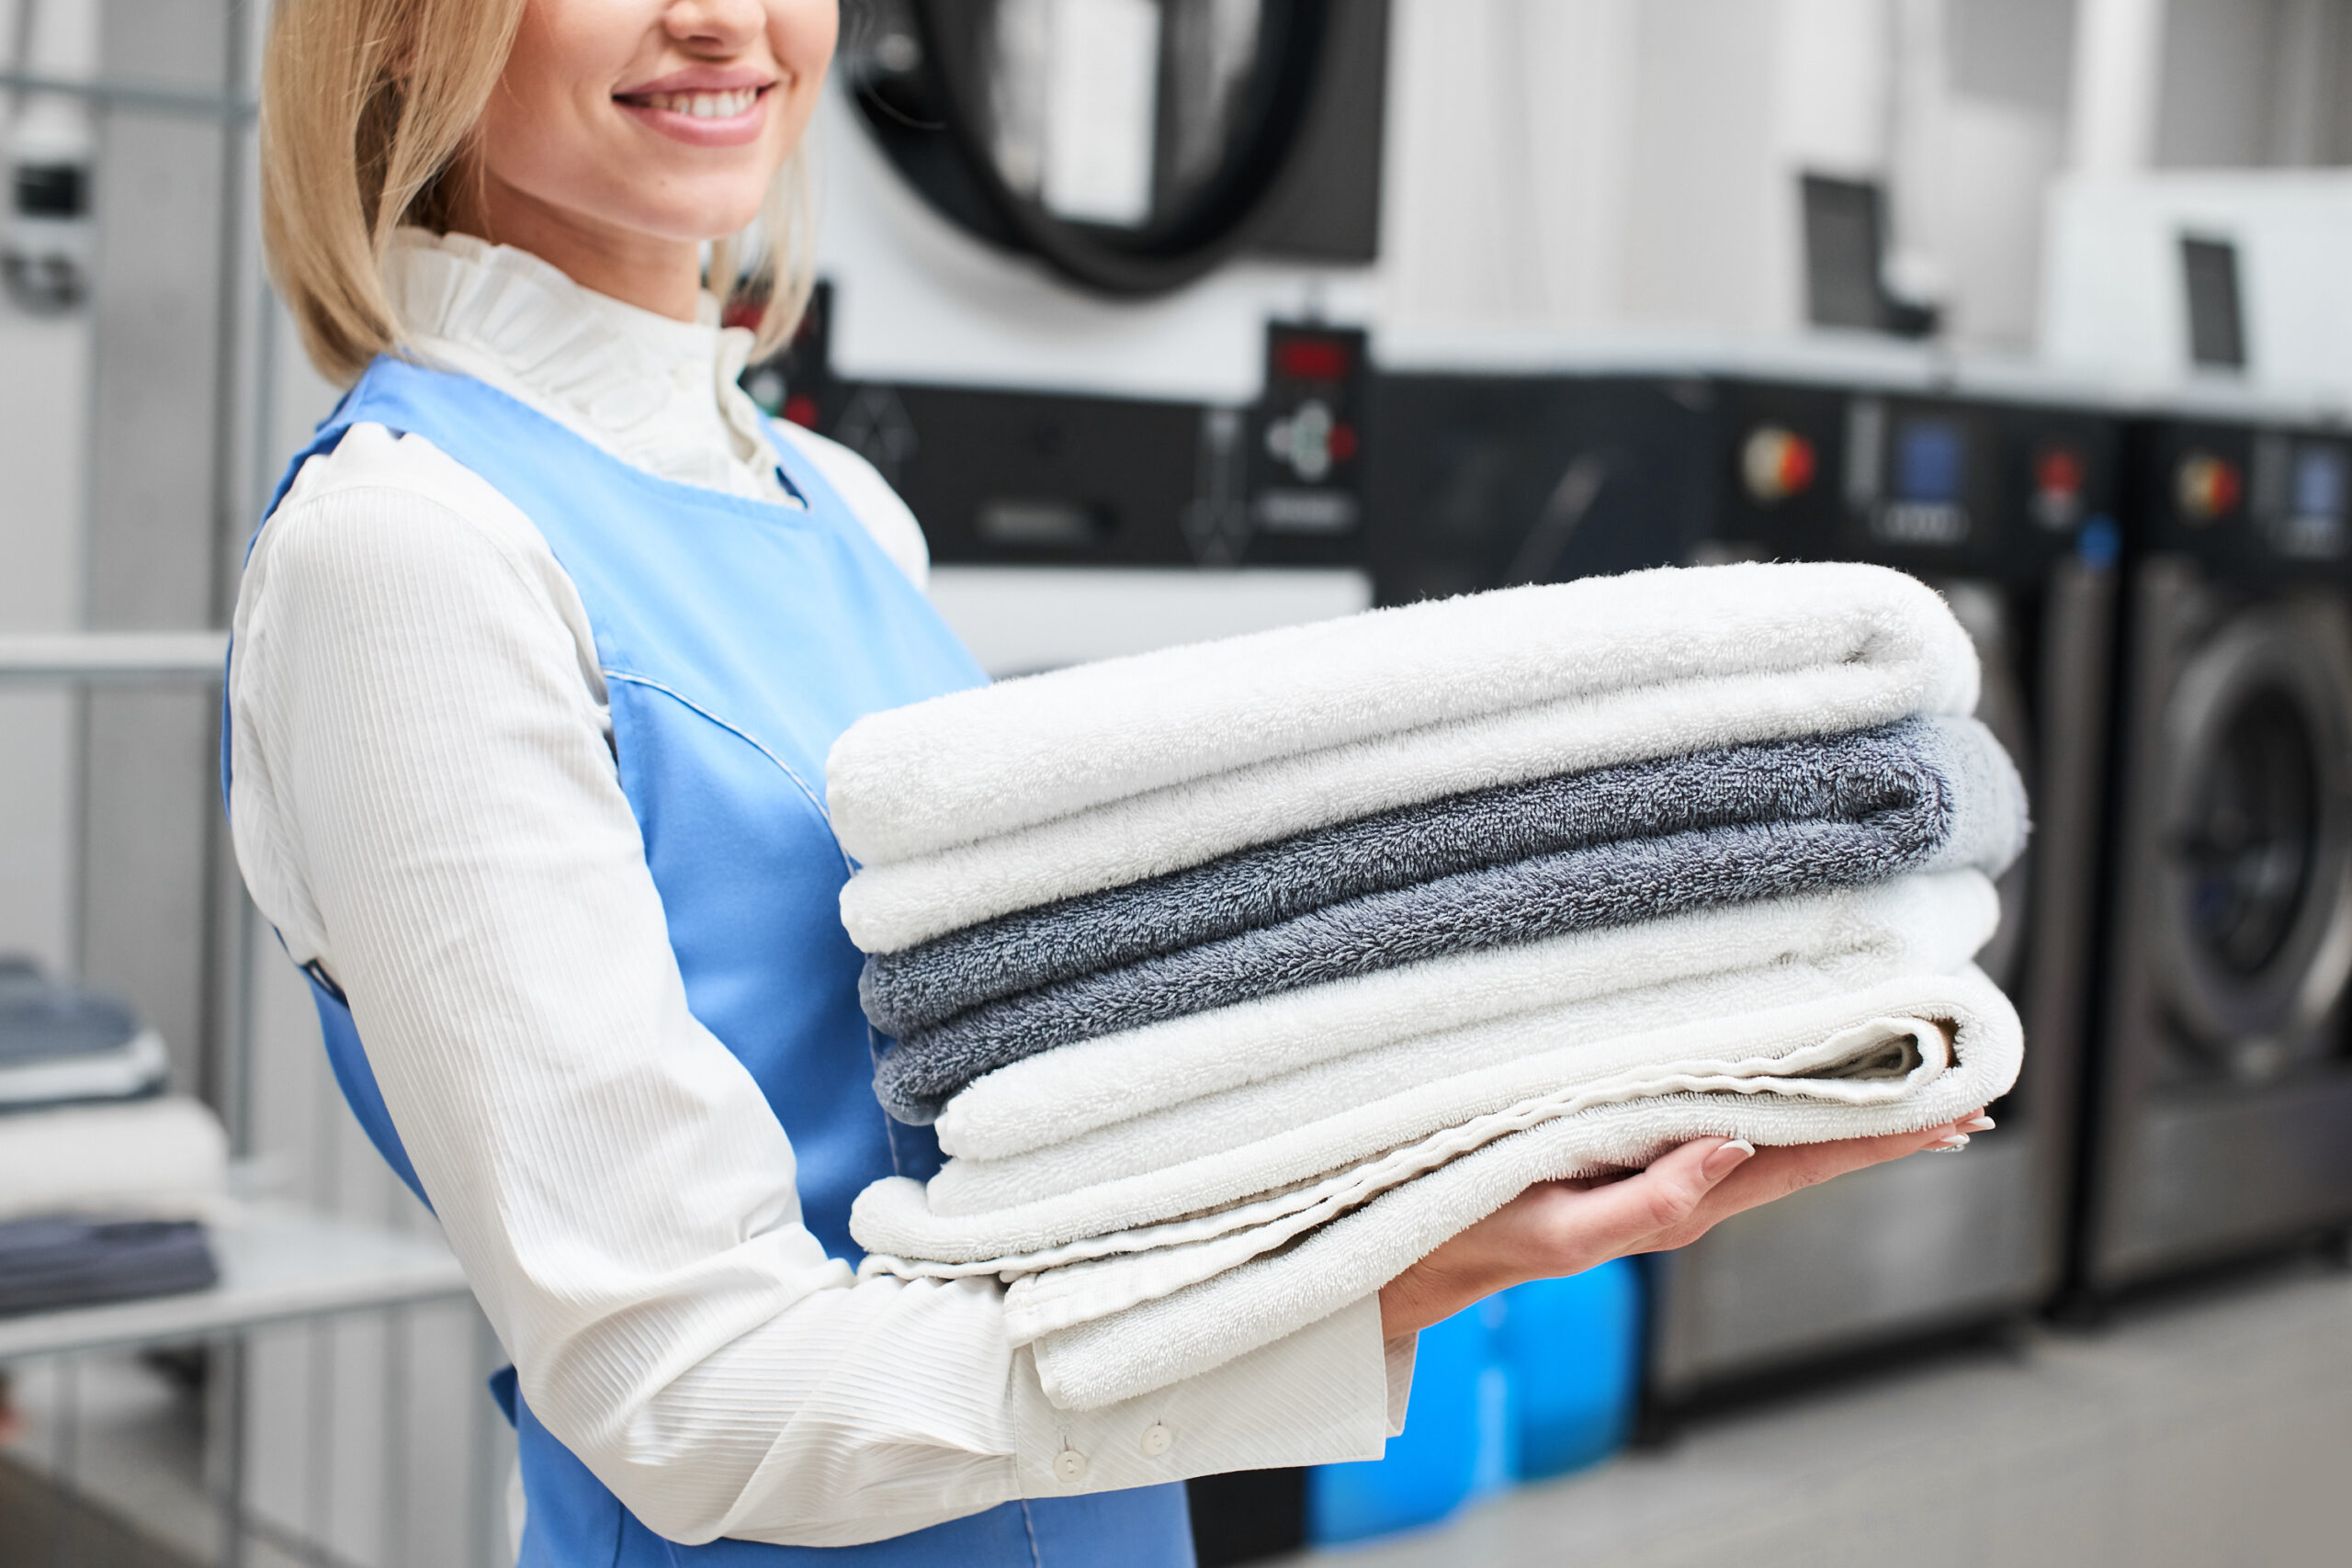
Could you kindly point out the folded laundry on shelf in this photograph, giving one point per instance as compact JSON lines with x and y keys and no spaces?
{"x":1852,"y":810}
{"x":60,"y":1261}
{"x":985,"y":802}
{"x":60,"y":1044}
{"x":164,"y":1157}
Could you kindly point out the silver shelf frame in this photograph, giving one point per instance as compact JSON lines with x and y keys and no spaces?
{"x":279,"y":1264}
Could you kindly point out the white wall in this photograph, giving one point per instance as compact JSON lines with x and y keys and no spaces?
{"x":2116,"y":302}
{"x":1634,"y":163}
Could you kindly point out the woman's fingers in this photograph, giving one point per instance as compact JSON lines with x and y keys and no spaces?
{"x":1566,"y":1227}
{"x":1555,"y":1228}
{"x":1610,"y":1221}
{"x":1775,"y":1173}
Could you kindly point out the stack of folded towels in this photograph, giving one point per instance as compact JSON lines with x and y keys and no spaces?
{"x":105,"y":1181}
{"x":1237,"y":978}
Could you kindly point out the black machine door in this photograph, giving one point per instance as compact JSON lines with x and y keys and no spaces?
{"x":1133,"y":145}
{"x":2254,"y":929}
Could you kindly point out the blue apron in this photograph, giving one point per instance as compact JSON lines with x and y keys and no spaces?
{"x":738,"y":639}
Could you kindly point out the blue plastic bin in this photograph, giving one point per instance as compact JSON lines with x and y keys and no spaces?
{"x":1572,"y":1349}
{"x":1540,"y":1381}
{"x":1453,"y":1428}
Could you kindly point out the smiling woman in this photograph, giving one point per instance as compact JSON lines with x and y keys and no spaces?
{"x":538,"y":654}
{"x":589,"y":134}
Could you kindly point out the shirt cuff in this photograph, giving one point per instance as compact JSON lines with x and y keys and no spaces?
{"x":1400,"y":1352}
{"x":1330,"y":1394}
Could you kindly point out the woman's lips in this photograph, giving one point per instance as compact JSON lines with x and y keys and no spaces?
{"x":705,"y":116}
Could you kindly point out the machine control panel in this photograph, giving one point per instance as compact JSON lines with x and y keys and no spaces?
{"x":1929,"y":483}
{"x":1008,"y":477}
{"x":2277,"y":501}
{"x":1305,"y":474}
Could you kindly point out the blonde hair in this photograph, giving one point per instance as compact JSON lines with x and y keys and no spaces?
{"x":368,"y":108}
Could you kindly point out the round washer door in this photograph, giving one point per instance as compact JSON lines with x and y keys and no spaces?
{"x":1131,"y":144}
{"x":2255,"y":925}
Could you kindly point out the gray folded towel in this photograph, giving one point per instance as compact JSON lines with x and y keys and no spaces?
{"x":60,"y":1261}
{"x":1847,"y":777}
{"x":1611,"y":847}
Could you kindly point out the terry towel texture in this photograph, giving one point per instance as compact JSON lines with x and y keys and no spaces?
{"x":985,"y":802}
{"x":895,"y":1217}
{"x":1918,"y":923}
{"x":1602,"y":1035}
{"x":1236,"y":977}
{"x":1127,"y":1353}
{"x":1875,"y":806}
{"x":1928,"y":781}
{"x":1177,"y":1296}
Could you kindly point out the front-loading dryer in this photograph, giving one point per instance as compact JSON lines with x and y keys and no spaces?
{"x":2003,"y":498}
{"x":2219,"y":1116}
{"x":1999,"y":488}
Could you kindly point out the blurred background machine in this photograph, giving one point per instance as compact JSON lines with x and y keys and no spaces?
{"x":1085,"y":251}
{"x":2001,"y":496}
{"x":2221,"y":1092}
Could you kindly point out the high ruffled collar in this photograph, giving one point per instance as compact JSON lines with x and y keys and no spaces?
{"x":657,"y":393}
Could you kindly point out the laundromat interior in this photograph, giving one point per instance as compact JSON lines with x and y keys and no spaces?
{"x":1180,"y":320}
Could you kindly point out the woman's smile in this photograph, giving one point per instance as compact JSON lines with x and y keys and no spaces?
{"x":706,"y":107}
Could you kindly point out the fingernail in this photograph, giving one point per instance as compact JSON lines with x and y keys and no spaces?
{"x":1951,"y":1146}
{"x":1981,"y":1124}
{"x":1728,"y":1158}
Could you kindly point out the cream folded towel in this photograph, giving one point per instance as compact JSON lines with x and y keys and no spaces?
{"x":1931,"y":924}
{"x":1611,"y":1031}
{"x":1122,"y":1355}
{"x":1115,"y":1311}
{"x":893,"y":1217}
{"x":979,"y":802}
{"x":166,"y":1158}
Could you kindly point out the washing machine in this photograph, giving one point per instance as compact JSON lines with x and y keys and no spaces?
{"x":1097,"y":275}
{"x":2219,"y":1110}
{"x":2002,"y":493}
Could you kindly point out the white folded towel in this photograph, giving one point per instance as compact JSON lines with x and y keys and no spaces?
{"x":982,"y":802}
{"x":1125,"y":1354}
{"x":1871,"y":1064}
{"x":893,"y":1219}
{"x":166,"y":1158}
{"x":136,"y":1068}
{"x":1931,"y":924}
{"x":1605,"y":1039}
{"x":1114,"y":1315}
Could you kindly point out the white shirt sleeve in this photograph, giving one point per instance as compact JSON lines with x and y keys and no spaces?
{"x":425,"y":802}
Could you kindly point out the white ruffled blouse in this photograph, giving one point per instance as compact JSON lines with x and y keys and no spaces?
{"x":425,"y":802}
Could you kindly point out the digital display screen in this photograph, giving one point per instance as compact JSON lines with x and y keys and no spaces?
{"x":2323,"y":478}
{"x":1931,"y":461}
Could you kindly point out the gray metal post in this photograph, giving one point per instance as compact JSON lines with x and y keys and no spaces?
{"x":157,"y":381}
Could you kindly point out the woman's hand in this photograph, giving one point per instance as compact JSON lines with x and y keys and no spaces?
{"x":1566,"y":1227}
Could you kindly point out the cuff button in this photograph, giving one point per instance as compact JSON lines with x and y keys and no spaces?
{"x":1156,"y":1441}
{"x":1070,"y":1465}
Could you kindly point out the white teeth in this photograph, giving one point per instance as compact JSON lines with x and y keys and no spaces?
{"x":705,"y":105}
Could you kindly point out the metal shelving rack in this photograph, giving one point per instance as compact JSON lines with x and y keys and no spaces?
{"x":281,"y":1264}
